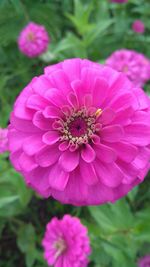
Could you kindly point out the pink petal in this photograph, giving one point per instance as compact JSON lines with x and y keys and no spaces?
{"x":61,"y":81}
{"x":141,"y":117}
{"x":73,"y":67}
{"x":14,"y":159}
{"x":39,"y":180}
{"x":20,"y":109}
{"x":33,"y":144}
{"x":88,"y":100}
{"x":142,"y":98}
{"x":47,"y":156}
{"x":16,"y":139}
{"x":69,"y":160}
{"x":105,"y":153}
{"x":88,"y":173}
{"x":123,"y":116}
{"x":36,"y":102}
{"x":143,"y":158}
{"x":78,"y":88}
{"x":72,"y":99}
{"x":100,"y":91}
{"x":125,"y":151}
{"x":129,"y":170}
{"x":52,"y":112}
{"x":88,"y":77}
{"x":64,"y":146}
{"x":120,"y":83}
{"x":27,"y":163}
{"x":56,"y":97}
{"x":41,"y":84}
{"x":41,"y":122}
{"x":88,"y":153}
{"x":107,"y":116}
{"x":138,"y":134}
{"x":124,"y":101}
{"x":109,"y":174}
{"x":23,"y":125}
{"x":58,"y":178}
{"x":112,"y":133}
{"x":50,"y":137}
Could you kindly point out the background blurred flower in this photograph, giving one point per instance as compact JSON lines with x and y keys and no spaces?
{"x":135,"y":65}
{"x":33,"y":40}
{"x":66,"y":243}
{"x":144,"y":262}
{"x":3,"y":140}
{"x":80,"y":133}
{"x":138,"y":26}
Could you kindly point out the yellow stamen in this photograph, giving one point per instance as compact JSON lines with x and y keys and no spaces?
{"x":98,"y":112}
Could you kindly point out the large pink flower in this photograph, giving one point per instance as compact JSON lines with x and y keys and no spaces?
{"x":80,"y":133}
{"x":3,"y":140}
{"x":144,"y":262}
{"x":135,"y":65}
{"x":66,"y":243}
{"x":33,"y":40}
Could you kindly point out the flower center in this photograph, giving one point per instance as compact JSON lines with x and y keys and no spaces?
{"x":60,"y":246}
{"x":30,"y":36}
{"x":79,"y":127}
{"x":125,"y":69}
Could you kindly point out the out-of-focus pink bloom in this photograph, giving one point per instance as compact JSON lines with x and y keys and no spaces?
{"x":135,"y":65}
{"x":144,"y":262}
{"x":80,"y":133}
{"x":66,"y":243}
{"x":33,"y":40}
{"x":138,"y":26}
{"x":3,"y":140}
{"x":119,"y":1}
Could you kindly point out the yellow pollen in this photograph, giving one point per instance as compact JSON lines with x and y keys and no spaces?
{"x":98,"y":112}
{"x":30,"y":36}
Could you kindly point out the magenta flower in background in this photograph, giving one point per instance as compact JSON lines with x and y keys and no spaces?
{"x":33,"y":40}
{"x":66,"y":243}
{"x":144,"y":262}
{"x":135,"y":65}
{"x":3,"y":140}
{"x":119,"y":1}
{"x":80,"y":133}
{"x":138,"y":26}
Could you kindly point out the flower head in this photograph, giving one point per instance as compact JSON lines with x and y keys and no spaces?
{"x":144,"y":262}
{"x":138,"y":26}
{"x":80,"y":133}
{"x":66,"y":243}
{"x":3,"y":140}
{"x":135,"y":65}
{"x":33,"y":40}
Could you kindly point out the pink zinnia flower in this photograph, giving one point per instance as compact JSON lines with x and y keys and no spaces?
{"x":119,"y":1}
{"x":66,"y":243}
{"x":138,"y":26}
{"x":144,"y":262}
{"x":135,"y":65}
{"x":33,"y":40}
{"x":80,"y":133}
{"x":3,"y":140}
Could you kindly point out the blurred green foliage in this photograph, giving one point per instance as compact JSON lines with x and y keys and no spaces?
{"x":119,"y":232}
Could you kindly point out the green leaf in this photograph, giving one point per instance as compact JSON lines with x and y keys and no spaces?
{"x":14,"y":200}
{"x":4,"y":201}
{"x":26,"y":243}
{"x":97,"y":31}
